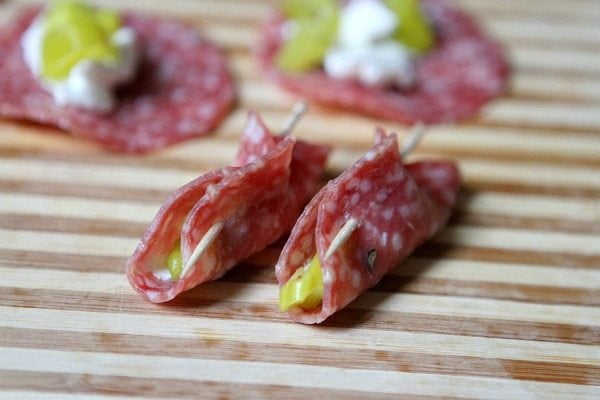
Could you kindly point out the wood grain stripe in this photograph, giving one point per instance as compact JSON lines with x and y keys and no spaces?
{"x":191,"y":304}
{"x":57,"y":387}
{"x":266,"y":294}
{"x":282,"y":374}
{"x":286,"y":333}
{"x":215,"y":349}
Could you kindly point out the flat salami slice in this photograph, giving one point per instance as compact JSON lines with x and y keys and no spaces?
{"x":257,"y":200}
{"x":454,"y":80}
{"x":397,"y":208}
{"x":183,"y":89}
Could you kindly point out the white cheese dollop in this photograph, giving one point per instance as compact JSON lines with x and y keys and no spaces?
{"x":90,"y":83}
{"x":365,"y":50}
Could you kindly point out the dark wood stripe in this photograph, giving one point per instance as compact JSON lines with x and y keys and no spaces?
{"x":71,"y":225}
{"x":489,"y":290}
{"x":140,"y":388}
{"x":22,"y":153}
{"x":84,"y":191}
{"x":308,"y":355}
{"x":59,"y":261}
{"x":441,"y":250}
{"x":194,"y":303}
{"x":565,"y":128}
{"x":566,"y":98}
{"x":525,"y":188}
{"x":464,"y":217}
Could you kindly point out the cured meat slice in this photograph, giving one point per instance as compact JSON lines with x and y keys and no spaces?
{"x":256,"y":200}
{"x":182,"y":89}
{"x":397,"y":207}
{"x":308,"y":160}
{"x":454,"y":80}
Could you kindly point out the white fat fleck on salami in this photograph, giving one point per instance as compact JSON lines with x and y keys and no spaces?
{"x":365,"y":185}
{"x":381,"y":195}
{"x":370,"y":155}
{"x":464,"y":71}
{"x":397,"y":241}
{"x":183,"y":89}
{"x":388,"y":213}
{"x":352,"y":183}
{"x":384,"y":239}
{"x":328,"y":277}
{"x":356,"y":278}
{"x":306,"y":243}
{"x":330,"y":207}
{"x":162,"y":274}
{"x":212,"y":190}
{"x":297,"y":257}
{"x":410,"y":188}
{"x":354,"y":198}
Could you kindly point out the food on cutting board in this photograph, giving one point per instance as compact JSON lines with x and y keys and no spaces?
{"x":360,"y":226}
{"x":130,"y":82}
{"x":402,"y":60}
{"x":223,"y":217}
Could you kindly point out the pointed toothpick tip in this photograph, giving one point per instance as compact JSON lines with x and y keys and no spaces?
{"x":298,"y":110}
{"x":342,"y":236}
{"x":204,"y":243}
{"x":413,"y":139}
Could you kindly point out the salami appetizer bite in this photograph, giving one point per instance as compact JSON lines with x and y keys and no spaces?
{"x":132,"y":83}
{"x":359,"y":227}
{"x":402,"y":60}
{"x":225,"y":216}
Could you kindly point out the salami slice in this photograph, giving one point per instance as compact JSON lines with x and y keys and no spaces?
{"x":182,"y":89}
{"x":397,"y":207}
{"x":257,"y":200}
{"x":454,"y":80}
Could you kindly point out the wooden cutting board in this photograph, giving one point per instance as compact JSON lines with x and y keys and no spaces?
{"x":503,"y":304}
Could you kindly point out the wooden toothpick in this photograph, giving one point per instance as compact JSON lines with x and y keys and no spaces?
{"x":413,"y":139}
{"x":341,"y":237}
{"x":298,"y":110}
{"x":204,"y":243}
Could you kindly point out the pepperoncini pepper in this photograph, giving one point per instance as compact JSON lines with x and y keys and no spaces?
{"x":304,"y":288}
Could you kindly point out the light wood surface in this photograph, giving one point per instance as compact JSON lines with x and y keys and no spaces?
{"x":503,"y":304}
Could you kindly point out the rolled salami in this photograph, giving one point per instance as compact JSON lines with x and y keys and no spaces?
{"x":251,"y":204}
{"x":394,"y":208}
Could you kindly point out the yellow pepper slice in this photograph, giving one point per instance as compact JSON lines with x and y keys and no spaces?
{"x":304,"y":289}
{"x":175,"y":262}
{"x":74,"y":32}
{"x":316,"y":25}
{"x":414,"y":30}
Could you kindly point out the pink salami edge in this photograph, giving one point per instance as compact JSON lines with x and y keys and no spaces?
{"x":399,"y":207}
{"x":465,"y":71}
{"x":259,"y":198}
{"x":183,"y":89}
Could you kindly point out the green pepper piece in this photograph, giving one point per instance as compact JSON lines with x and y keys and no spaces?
{"x":175,"y":262}
{"x":414,"y":31}
{"x":316,"y":26}
{"x":304,"y":288}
